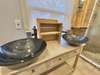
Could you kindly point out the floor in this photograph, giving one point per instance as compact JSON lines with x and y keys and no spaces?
{"x":83,"y":68}
{"x":94,"y":56}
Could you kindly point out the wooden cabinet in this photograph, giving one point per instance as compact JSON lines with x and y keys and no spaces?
{"x":49,"y":64}
{"x":49,"y":29}
{"x":53,"y":56}
{"x":82,"y":13}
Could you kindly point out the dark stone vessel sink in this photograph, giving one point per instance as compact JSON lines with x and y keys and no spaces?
{"x":20,"y":51}
{"x":75,"y":40}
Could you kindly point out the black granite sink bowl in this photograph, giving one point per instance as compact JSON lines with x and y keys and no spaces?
{"x":75,"y":40}
{"x":20,"y":51}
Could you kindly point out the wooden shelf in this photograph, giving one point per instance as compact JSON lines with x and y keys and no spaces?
{"x":51,"y":23}
{"x":79,"y":27}
{"x":49,"y":29}
{"x":49,"y":33}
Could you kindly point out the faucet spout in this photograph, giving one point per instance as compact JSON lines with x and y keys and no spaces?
{"x":35,"y":32}
{"x":29,"y":34}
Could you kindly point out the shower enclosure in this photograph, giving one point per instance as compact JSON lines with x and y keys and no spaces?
{"x":92,"y":50}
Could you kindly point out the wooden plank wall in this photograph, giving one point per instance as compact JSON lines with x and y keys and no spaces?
{"x":81,"y":16}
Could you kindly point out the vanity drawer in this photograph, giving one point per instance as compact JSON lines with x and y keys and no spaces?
{"x":47,"y":65}
{"x":28,"y":72}
{"x":54,"y":62}
{"x":60,"y":59}
{"x":41,"y":68}
{"x":34,"y":70}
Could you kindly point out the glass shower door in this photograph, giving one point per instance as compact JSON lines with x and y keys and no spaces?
{"x":92,"y":49}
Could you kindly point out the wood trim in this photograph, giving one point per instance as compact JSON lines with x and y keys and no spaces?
{"x":79,"y":27}
{"x":41,"y":20}
{"x":94,"y":7}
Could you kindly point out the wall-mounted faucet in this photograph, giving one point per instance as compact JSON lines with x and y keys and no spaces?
{"x":35,"y":32}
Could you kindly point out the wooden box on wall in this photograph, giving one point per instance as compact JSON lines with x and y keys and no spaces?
{"x":49,"y":29}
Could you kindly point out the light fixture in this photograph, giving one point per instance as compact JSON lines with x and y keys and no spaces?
{"x":81,"y":2}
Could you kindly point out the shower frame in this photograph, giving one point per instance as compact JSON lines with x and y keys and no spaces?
{"x":97,"y":2}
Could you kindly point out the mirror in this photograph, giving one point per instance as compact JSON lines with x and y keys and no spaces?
{"x":60,"y":10}
{"x":81,"y":3}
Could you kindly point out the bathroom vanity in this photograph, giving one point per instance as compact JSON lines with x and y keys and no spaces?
{"x":53,"y":56}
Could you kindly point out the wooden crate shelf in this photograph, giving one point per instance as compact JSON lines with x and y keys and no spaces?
{"x":50,"y":33}
{"x":49,"y":29}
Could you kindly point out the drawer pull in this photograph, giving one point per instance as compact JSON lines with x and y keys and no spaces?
{"x":33,"y":70}
{"x":60,"y":59}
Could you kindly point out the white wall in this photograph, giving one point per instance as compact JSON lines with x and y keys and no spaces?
{"x":9,"y":11}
